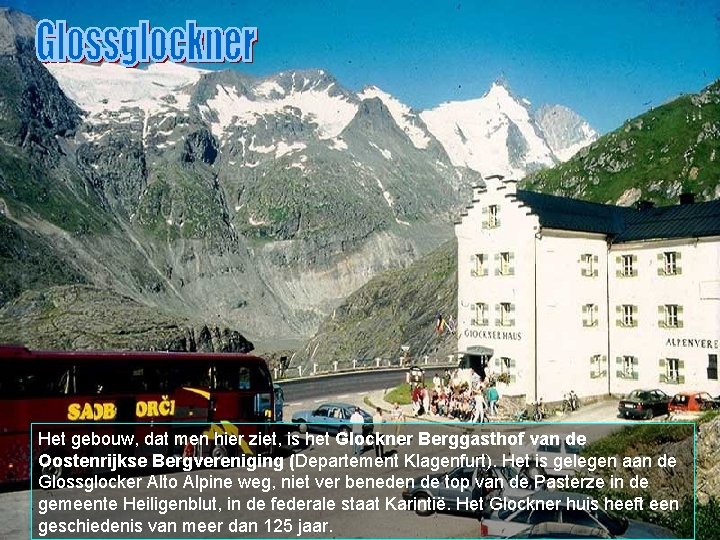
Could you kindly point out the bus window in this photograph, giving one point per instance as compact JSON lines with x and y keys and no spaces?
{"x":233,"y":377}
{"x":102,"y":378}
{"x":37,"y":380}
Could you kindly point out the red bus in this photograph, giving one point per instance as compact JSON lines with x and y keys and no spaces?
{"x":124,"y":392}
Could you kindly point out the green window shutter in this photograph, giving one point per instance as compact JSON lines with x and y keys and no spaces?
{"x":513,"y":363}
{"x":512,"y":264}
{"x":596,"y":261}
{"x":662,"y":363}
{"x":635,"y":375}
{"x":620,"y":374}
{"x":662,"y":378}
{"x":618,"y":260}
{"x":635,"y":314}
{"x":484,"y":210}
{"x":661,"y":316}
{"x":681,"y":364}
{"x":681,"y":379}
{"x":634,"y":263}
{"x":512,"y":314}
{"x":618,"y":273}
{"x":497,"y":220}
{"x":593,"y":375}
{"x":618,"y":360}
{"x":497,"y":312}
{"x":497,"y":362}
{"x":484,"y":225}
{"x":661,"y":264}
{"x":679,"y":316}
{"x":635,"y":362}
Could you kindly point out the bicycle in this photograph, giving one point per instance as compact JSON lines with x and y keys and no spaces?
{"x":539,"y":411}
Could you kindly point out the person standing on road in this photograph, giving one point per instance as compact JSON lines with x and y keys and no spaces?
{"x":378,"y":421}
{"x":479,"y":416}
{"x":398,"y":417}
{"x":357,"y":422}
{"x":493,"y":396}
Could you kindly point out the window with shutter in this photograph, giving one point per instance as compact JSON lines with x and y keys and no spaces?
{"x":479,"y":264}
{"x":480,"y":314}
{"x":628,"y":266}
{"x":672,"y":367}
{"x":597,"y":365}
{"x":590,"y":312}
{"x":669,"y":261}
{"x":505,"y":263}
{"x":493,"y":213}
{"x":712,"y":369}
{"x":671,"y":315}
{"x":506,"y":314}
{"x":589,"y":263}
{"x":628,"y":315}
{"x":627,"y":367}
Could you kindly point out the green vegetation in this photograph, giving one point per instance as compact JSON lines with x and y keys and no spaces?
{"x":394,"y":308}
{"x":707,"y":416}
{"x":44,"y":193}
{"x":28,"y":262}
{"x":671,"y":148}
{"x":183,"y":203}
{"x":645,"y":436}
{"x":400,"y":394}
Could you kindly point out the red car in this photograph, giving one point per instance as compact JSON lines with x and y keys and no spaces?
{"x":692,"y":401}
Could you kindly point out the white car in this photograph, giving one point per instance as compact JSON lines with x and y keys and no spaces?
{"x":536,"y":510}
{"x":552,"y":452}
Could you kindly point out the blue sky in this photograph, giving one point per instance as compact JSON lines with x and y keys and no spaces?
{"x":608,"y":60}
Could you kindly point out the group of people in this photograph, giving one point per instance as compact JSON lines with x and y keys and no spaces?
{"x":468,"y":401}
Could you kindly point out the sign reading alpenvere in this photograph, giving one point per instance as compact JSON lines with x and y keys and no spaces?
{"x":693,"y":343}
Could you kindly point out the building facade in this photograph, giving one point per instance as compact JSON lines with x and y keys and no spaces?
{"x":563,"y":294}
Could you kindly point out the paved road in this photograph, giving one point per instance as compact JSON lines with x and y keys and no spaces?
{"x":347,"y":385}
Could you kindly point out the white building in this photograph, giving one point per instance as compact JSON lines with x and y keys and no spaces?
{"x":567,"y":295}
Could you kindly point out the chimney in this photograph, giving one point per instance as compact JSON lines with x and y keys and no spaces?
{"x":644,"y":205}
{"x":687,"y":198}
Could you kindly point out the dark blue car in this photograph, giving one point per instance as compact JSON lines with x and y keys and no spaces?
{"x":330,"y":418}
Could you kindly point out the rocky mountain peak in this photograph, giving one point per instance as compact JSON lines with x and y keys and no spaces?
{"x":14,"y":25}
{"x":565,"y":131}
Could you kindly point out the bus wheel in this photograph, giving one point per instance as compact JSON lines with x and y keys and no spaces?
{"x":219,"y":451}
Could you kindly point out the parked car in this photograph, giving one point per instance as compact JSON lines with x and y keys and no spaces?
{"x":644,"y":404}
{"x":330,"y":418}
{"x":506,"y":523}
{"x":692,"y":402}
{"x":562,"y":530}
{"x":479,"y":482}
{"x":553,"y":451}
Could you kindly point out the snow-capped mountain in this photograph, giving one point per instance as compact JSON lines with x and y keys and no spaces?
{"x":498,"y":133}
{"x":289,"y":190}
{"x":565,"y":131}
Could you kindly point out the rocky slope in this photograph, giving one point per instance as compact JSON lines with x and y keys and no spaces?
{"x":701,"y":135}
{"x":82,"y":317}
{"x":670,"y":149}
{"x":257,"y":203}
{"x":393,"y":309}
